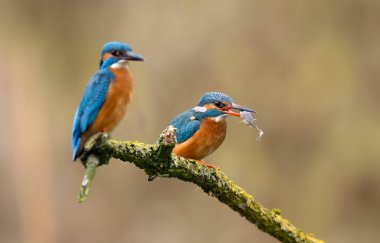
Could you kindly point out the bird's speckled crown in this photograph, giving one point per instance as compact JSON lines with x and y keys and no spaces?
{"x":214,"y":96}
{"x":115,"y":46}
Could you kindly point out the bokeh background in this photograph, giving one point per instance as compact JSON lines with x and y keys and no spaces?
{"x":310,"y":69}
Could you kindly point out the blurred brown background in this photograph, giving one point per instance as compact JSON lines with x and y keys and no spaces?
{"x":310,"y":68}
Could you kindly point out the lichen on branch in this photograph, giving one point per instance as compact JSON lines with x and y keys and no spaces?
{"x":157,"y":160}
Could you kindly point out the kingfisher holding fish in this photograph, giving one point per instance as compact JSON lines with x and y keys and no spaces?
{"x":106,"y":96}
{"x":202,"y":129}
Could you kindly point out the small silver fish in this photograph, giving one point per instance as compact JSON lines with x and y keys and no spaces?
{"x":248,"y":120}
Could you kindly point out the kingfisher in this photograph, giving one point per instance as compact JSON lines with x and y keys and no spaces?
{"x":106,"y":95}
{"x":202,"y":129}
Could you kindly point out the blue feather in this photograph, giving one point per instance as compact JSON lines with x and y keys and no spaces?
{"x":114,"y":45}
{"x":108,"y":47}
{"x":214,"y":96}
{"x":92,"y":100}
{"x":95,"y":93}
{"x":188,"y":122}
{"x":186,"y":126}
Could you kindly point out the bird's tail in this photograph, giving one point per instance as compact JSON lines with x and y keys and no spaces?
{"x":76,"y":136}
{"x":76,"y":144}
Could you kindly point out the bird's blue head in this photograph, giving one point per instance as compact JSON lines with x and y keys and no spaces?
{"x":216,"y":104}
{"x":214,"y":97}
{"x":113,"y":52}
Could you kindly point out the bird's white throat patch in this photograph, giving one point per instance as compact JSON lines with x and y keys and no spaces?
{"x":120,"y":64}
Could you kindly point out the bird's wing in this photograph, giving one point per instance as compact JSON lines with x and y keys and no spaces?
{"x":93,"y":98}
{"x":186,"y":125}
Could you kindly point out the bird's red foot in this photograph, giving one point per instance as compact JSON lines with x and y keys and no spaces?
{"x":207,"y":165}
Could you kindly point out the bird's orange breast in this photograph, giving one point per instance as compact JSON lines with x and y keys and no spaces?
{"x":114,"y":107}
{"x":206,"y":140}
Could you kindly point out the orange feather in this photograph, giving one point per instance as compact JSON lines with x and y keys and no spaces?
{"x":114,"y":107}
{"x":206,"y":140}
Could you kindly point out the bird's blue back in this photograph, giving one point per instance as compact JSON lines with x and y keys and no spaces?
{"x":92,"y":100}
{"x":188,"y":122}
{"x":186,"y":126}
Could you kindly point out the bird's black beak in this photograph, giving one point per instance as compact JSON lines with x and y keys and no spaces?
{"x":229,"y":110}
{"x":241,"y":108}
{"x":132,"y":56}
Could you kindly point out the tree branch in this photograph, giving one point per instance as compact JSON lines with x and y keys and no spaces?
{"x":157,"y":160}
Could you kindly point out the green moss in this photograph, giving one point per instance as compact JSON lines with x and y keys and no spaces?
{"x":157,"y":160}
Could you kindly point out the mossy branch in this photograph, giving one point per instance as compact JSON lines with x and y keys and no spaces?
{"x":157,"y":160}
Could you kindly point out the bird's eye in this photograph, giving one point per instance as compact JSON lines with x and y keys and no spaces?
{"x":116,"y":53}
{"x":219,"y":104}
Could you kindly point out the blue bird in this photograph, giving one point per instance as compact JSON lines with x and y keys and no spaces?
{"x":106,"y":96}
{"x":202,"y":129}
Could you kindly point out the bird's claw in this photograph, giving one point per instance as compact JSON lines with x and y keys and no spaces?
{"x":204,"y":164}
{"x":90,"y":146}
